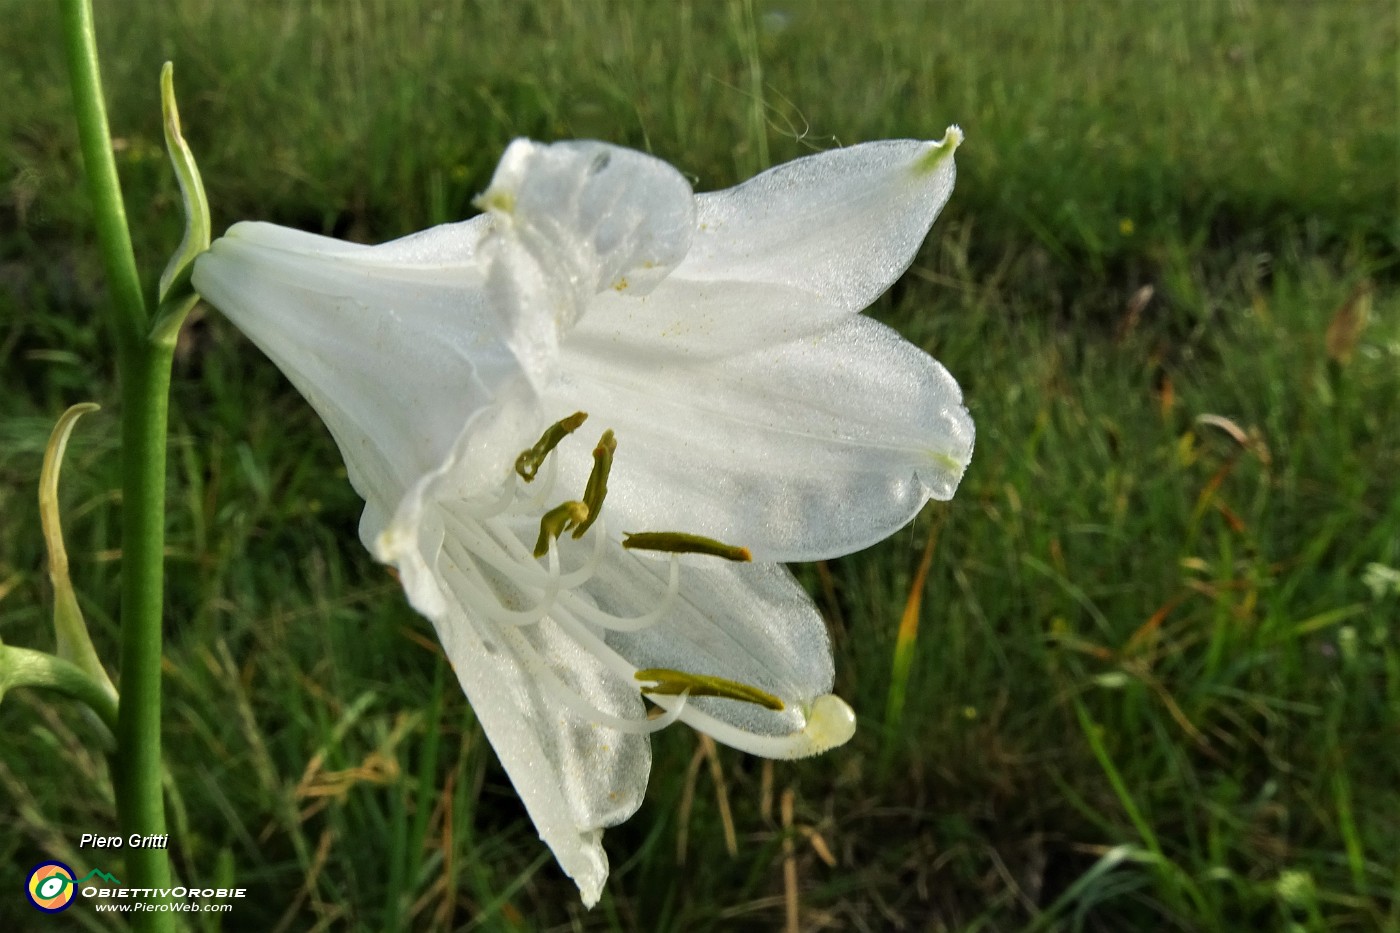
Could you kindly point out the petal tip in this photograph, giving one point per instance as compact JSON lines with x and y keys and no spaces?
{"x":947,"y":472}
{"x":830,"y":724}
{"x":499,"y":198}
{"x":388,"y":545}
{"x":590,"y":893}
{"x":940,"y":152}
{"x":587,"y":865}
{"x":949,"y":455}
{"x":495,"y":201}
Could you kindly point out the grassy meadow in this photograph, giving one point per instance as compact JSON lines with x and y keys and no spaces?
{"x":1150,"y":672}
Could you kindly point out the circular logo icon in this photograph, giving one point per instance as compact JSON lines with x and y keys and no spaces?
{"x":50,"y":887}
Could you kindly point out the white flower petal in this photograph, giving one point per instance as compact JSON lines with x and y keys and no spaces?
{"x":597,"y":215}
{"x":749,"y":623}
{"x":574,"y":777}
{"x":395,"y":357}
{"x":570,"y":220}
{"x":744,"y":622}
{"x":843,"y":224}
{"x":478,"y":463}
{"x":798,"y":450}
{"x":695,"y":323}
{"x":453,"y":244}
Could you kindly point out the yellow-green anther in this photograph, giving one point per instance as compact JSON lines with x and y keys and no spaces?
{"x":678,"y":542}
{"x":665,"y":682}
{"x":529,"y":461}
{"x":558,"y":520}
{"x":597,"y":488}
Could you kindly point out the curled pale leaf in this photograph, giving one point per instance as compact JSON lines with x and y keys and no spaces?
{"x":25,"y":667}
{"x":70,"y":629}
{"x":176,"y":295}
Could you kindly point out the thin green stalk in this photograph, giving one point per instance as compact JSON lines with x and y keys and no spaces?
{"x":144,"y":367}
{"x":104,"y":188}
{"x":137,"y":766}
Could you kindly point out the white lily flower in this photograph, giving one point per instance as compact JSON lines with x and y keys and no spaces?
{"x":716,"y":338}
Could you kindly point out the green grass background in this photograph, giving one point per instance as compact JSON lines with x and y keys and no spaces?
{"x":1156,"y":683}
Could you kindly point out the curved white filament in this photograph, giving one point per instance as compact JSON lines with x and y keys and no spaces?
{"x":580,"y":707}
{"x":483,"y":537}
{"x":616,"y":623}
{"x":480,"y":596}
{"x":830,"y":722}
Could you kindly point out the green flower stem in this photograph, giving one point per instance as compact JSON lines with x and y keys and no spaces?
{"x":144,"y":367}
{"x":137,"y":766}
{"x":104,"y":188}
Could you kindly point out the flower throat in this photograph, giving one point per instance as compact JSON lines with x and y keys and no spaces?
{"x":576,"y":516}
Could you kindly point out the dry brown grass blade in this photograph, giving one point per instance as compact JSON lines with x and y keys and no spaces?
{"x":909,"y":620}
{"x":1132,"y":312}
{"x":1166,"y":396}
{"x":1348,"y":322}
{"x":726,"y":817}
{"x":831,"y":602}
{"x":765,"y":791}
{"x":792,"y":907}
{"x":1236,"y":523}
{"x":692,"y":775}
{"x":819,"y":846}
{"x":442,"y":916}
{"x":323,"y":851}
{"x":1148,"y":630}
